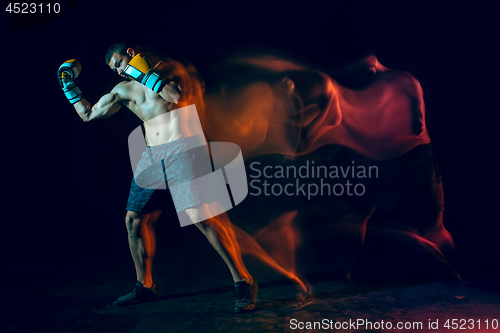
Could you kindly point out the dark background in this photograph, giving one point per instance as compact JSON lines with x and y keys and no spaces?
{"x":66,"y":182}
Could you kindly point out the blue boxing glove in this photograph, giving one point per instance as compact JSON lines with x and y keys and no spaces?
{"x":138,"y":70}
{"x":67,"y":74}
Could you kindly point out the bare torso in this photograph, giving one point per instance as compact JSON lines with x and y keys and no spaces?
{"x":163,"y":121}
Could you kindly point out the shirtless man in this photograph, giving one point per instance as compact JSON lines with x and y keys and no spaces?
{"x":156,"y":101}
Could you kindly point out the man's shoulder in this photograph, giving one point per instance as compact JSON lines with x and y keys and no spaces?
{"x":400,"y":77}
{"x":128,"y":90}
{"x":170,"y":67}
{"x":123,"y":87}
{"x":402,"y":81}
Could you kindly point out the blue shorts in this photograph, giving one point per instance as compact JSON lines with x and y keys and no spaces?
{"x":183,"y":160}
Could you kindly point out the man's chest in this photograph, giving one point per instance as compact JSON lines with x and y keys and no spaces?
{"x":143,"y":101}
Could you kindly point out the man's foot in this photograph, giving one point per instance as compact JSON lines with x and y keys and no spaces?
{"x":139,"y":294}
{"x":302,"y":300}
{"x":246,"y":294}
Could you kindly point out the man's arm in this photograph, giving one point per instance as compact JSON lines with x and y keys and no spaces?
{"x":107,"y":105}
{"x":171,"y":92}
{"x":165,"y":78}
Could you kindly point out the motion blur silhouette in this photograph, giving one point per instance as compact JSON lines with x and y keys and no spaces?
{"x":309,"y":139}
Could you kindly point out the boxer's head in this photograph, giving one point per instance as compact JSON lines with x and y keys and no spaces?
{"x":118,"y":57}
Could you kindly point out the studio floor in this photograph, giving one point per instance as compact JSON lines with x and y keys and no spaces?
{"x":76,"y":299}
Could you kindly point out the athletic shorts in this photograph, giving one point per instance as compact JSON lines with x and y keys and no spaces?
{"x":173,"y":163}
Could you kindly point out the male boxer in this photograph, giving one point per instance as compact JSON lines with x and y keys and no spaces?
{"x":157,"y":91}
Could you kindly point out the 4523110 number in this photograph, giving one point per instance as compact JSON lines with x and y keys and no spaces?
{"x":33,"y":8}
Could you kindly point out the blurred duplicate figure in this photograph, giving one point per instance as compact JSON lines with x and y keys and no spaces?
{"x":158,"y":92}
{"x":383,"y":119}
{"x":362,"y":112}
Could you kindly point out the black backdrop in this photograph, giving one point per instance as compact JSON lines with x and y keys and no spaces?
{"x":66,"y":182}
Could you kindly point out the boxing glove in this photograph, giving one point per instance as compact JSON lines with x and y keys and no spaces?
{"x":138,"y":70}
{"x":67,"y":74}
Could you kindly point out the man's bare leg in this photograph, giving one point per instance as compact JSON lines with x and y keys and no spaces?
{"x":220,"y":234}
{"x":142,"y":243}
